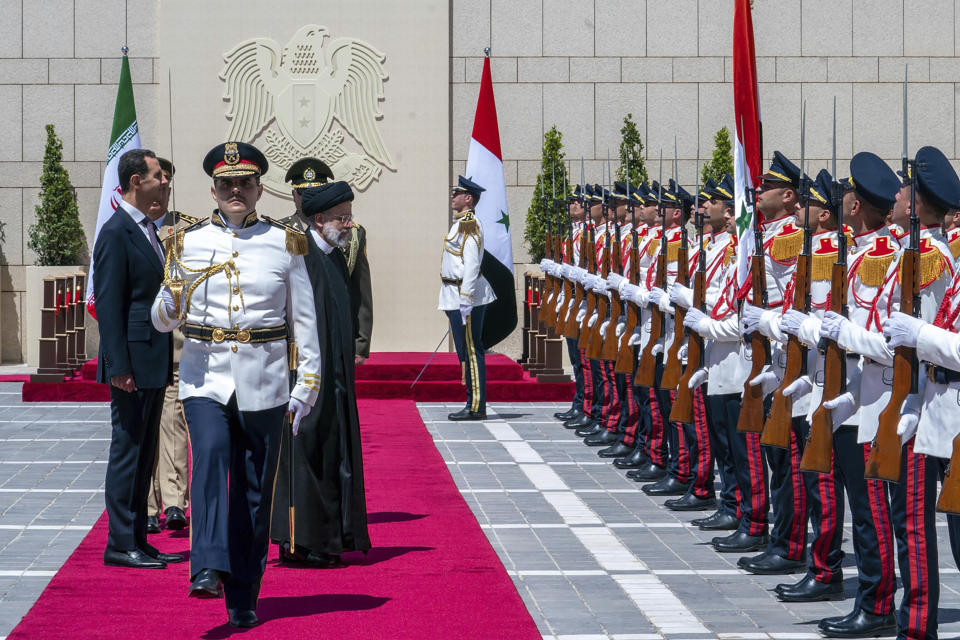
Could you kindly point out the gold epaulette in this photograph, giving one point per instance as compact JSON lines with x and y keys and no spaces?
{"x":822,"y":260}
{"x":653,"y":246}
{"x":729,"y":254}
{"x":932,"y":263}
{"x":873,"y":266}
{"x":673,"y":248}
{"x":955,"y":245}
{"x":787,"y":243}
{"x":168,"y":242}
{"x":296,"y":239}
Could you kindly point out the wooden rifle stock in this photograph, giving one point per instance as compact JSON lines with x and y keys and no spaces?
{"x":776,"y":429}
{"x":627,"y":357}
{"x":751,"y":407}
{"x":572,"y":328}
{"x":884,"y":460}
{"x":672,"y":366}
{"x":949,"y":500}
{"x":563,"y":315}
{"x":818,"y":452}
{"x":646,"y":371}
{"x":595,"y":348}
{"x":682,"y":410}
{"x":610,"y":338}
{"x":557,"y":286}
{"x":591,"y":266}
{"x":545,"y":304}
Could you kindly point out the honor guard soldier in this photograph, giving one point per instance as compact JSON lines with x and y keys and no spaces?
{"x":169,"y":487}
{"x":230,"y":282}
{"x":465,"y":294}
{"x":303,"y":174}
{"x":576,"y":212}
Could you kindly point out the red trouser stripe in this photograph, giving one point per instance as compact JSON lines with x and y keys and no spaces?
{"x":827,"y":490}
{"x":611,"y":410}
{"x":633,"y":417}
{"x":704,"y":461}
{"x":587,"y":382}
{"x":880,"y":514}
{"x":683,"y":451}
{"x":918,"y":598}
{"x":798,"y":528}
{"x":758,"y":485}
{"x":655,"y":441}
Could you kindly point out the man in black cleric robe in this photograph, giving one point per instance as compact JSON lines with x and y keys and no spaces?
{"x":330,"y":514}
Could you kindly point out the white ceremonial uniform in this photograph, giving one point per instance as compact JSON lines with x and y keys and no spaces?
{"x":672,"y":247}
{"x":726,"y":370}
{"x":461,"y":282}
{"x":259,"y":284}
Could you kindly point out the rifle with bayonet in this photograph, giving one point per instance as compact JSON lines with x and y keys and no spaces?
{"x":672,"y":364}
{"x":558,"y":257}
{"x":626,"y":357}
{"x":818,"y":452}
{"x":776,"y":429}
{"x":646,"y":370}
{"x":590,"y":264}
{"x":884,"y":460}
{"x":546,"y":302}
{"x":611,"y":342}
{"x":751,"y":407}
{"x":563,"y":312}
{"x":572,"y":327}
{"x":682,"y":410}
{"x":595,"y":350}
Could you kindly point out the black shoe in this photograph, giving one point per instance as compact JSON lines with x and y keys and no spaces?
{"x":667,"y":486}
{"x":636,"y":459}
{"x":740,"y":542}
{"x":242,"y":618}
{"x":691,"y":502}
{"x":745,"y":560}
{"x":710,"y":518}
{"x":603,"y":439}
{"x":617,"y":450}
{"x":569,"y":414}
{"x":463,"y":414}
{"x":861,"y":624}
{"x":720,"y":522}
{"x":153,"y":524}
{"x":809,"y":590}
{"x":774,"y":565}
{"x":207,"y":584}
{"x":313,"y":559}
{"x":135,"y":559}
{"x":578,"y":423}
{"x":590,"y":430}
{"x":169,"y":558}
{"x":176,"y":519}
{"x":647,"y":473}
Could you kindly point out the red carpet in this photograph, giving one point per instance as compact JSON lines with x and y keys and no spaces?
{"x":431,"y":574}
{"x":382,"y":376}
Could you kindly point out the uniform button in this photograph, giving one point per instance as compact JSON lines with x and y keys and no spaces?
{"x":236,"y":307}
{"x":236,"y":326}
{"x":235,"y":234}
{"x":236,"y":290}
{"x":235,"y":254}
{"x":233,"y":348}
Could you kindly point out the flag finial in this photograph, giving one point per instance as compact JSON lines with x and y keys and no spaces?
{"x":486,"y":51}
{"x":124,"y":49}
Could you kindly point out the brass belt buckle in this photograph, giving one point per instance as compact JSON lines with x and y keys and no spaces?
{"x":217,"y":335}
{"x":243,"y":336}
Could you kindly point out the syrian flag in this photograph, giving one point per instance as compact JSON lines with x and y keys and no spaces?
{"x":485,"y":167}
{"x":746,"y":157}
{"x":124,"y":136}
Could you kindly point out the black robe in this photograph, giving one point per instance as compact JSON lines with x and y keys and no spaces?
{"x":329,"y":503}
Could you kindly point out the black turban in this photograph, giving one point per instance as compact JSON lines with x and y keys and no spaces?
{"x":319,"y":199}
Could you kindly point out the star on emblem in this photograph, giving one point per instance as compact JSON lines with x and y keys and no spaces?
{"x":304,"y":102}
{"x":305,"y":122}
{"x":504,"y":220}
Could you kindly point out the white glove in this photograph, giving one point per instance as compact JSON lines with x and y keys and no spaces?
{"x":902,"y":330}
{"x":621,"y":327}
{"x":681,"y":295}
{"x":801,"y":386}
{"x":637,"y":295}
{"x":682,"y":354}
{"x":908,"y":424}
{"x":832,"y":325}
{"x":465,"y":310}
{"x":603,"y":327}
{"x":791,"y":321}
{"x":655,"y":296}
{"x":614,"y":280}
{"x":841,"y":408}
{"x":593,"y":319}
{"x":767,"y":381}
{"x":750,"y":319}
{"x":634,"y":339}
{"x":693,"y":318}
{"x":657,"y":349}
{"x":167,"y":298}
{"x":698,"y":378}
{"x":581,"y":313}
{"x":297,"y":410}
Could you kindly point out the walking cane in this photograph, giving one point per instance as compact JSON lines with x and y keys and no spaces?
{"x":292,"y":363}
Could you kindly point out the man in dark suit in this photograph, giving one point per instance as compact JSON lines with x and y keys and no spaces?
{"x":134,"y":359}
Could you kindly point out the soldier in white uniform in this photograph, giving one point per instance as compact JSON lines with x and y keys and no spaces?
{"x":465,"y":294}
{"x":244,"y":300}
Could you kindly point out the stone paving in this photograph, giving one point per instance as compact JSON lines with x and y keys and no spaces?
{"x":591,"y":555}
{"x":594,"y":557}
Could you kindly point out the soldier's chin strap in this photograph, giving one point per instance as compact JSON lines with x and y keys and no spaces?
{"x":430,"y":359}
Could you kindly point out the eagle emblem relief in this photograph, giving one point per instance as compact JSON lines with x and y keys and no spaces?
{"x":298,"y":100}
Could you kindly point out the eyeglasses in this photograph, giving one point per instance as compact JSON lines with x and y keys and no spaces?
{"x":344,"y":219}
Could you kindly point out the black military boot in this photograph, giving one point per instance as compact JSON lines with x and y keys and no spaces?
{"x":647,"y":473}
{"x":579,"y":422}
{"x":861,"y":624}
{"x":592,"y":429}
{"x":466,"y":414}
{"x":636,"y":459}
{"x":569,"y":414}
{"x":616,"y":450}
{"x":602,"y":439}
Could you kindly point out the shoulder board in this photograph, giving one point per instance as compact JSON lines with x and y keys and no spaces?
{"x":188,"y":219}
{"x":823,"y":259}
{"x":296,"y":239}
{"x":468,"y":224}
{"x":673,"y":246}
{"x":873,"y":265}
{"x":788,"y":242}
{"x":897,"y":232}
{"x":954,"y":243}
{"x":196,"y":224}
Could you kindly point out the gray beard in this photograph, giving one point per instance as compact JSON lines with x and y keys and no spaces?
{"x":339,"y":240}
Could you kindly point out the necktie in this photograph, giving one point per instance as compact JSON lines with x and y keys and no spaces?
{"x":152,"y":235}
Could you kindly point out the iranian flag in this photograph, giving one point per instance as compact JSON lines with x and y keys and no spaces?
{"x":746,"y":157}
{"x":485,"y":167}
{"x":124,"y":136}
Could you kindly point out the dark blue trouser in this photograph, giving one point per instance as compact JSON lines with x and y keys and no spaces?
{"x":699,"y":453}
{"x":600,"y":391}
{"x":788,"y":497}
{"x":235,"y":456}
{"x":574,"y":354}
{"x":826,"y":512}
{"x":678,"y":464}
{"x":722,"y":431}
{"x":135,"y":431}
{"x":749,"y":462}
{"x":468,"y":340}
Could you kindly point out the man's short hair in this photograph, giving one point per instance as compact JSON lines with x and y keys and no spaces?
{"x":131,"y":163}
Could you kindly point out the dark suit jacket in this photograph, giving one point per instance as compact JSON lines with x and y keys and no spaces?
{"x":126,"y":278}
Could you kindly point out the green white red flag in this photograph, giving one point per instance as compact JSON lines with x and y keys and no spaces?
{"x":124,"y":135}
